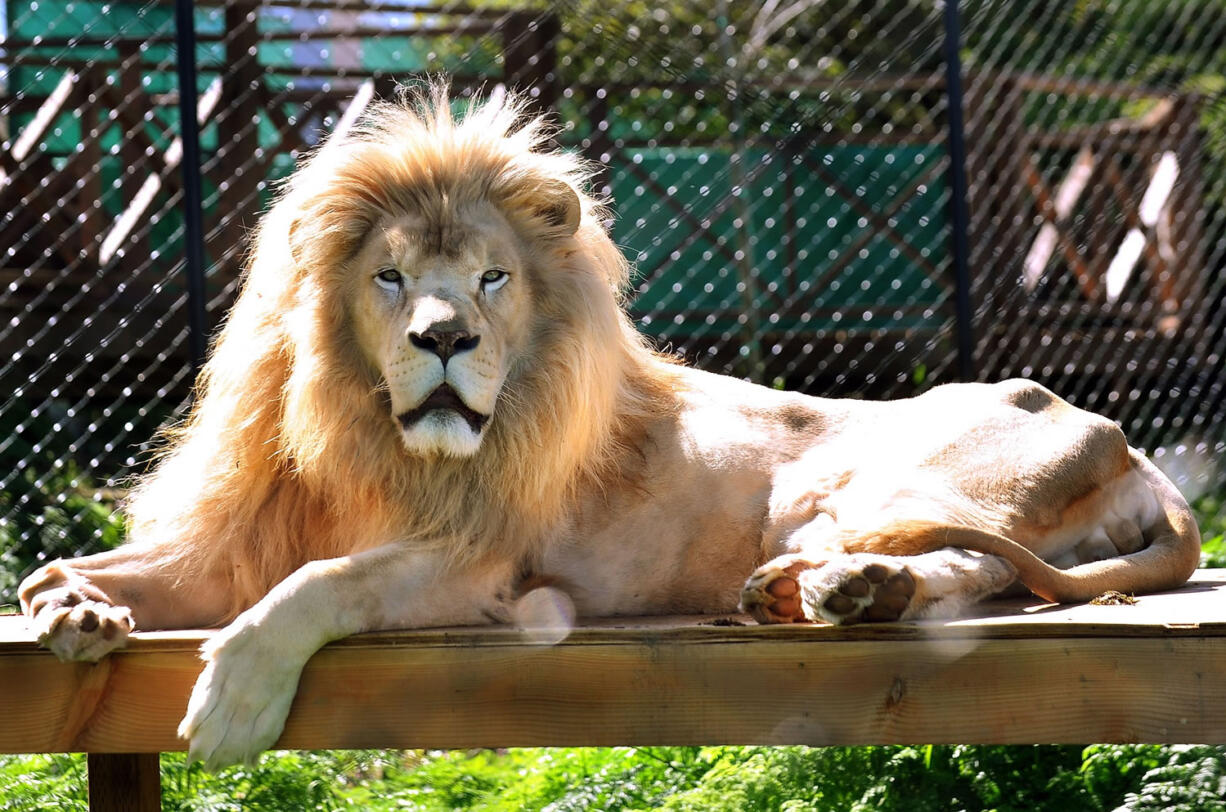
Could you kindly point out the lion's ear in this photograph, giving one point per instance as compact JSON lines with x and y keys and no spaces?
{"x":317,"y":234}
{"x":552,"y":202}
{"x":298,"y":231}
{"x":559,"y":206}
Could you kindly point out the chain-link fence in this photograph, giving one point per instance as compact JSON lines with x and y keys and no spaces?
{"x":857,"y":198}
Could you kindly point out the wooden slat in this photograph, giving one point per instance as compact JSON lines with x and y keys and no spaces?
{"x":1021,"y":672}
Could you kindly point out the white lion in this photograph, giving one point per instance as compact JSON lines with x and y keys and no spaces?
{"x":428,"y":400}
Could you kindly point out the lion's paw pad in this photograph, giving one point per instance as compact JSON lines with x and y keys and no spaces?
{"x":773,"y":594}
{"x":854,"y":591}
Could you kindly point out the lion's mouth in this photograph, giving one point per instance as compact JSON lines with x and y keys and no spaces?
{"x":444,"y":398}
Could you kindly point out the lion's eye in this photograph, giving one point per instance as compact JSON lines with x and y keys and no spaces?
{"x":389,"y":278}
{"x":493,"y":279}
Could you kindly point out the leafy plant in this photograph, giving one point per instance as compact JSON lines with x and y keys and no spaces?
{"x":52,"y":781}
{"x":59,"y":513}
{"x":1121,"y":778}
{"x":1179,"y":778}
{"x":1211,"y":516}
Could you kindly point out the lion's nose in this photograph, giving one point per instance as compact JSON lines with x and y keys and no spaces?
{"x":445,"y":343}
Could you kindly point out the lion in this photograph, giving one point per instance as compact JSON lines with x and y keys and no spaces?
{"x":428,"y":404}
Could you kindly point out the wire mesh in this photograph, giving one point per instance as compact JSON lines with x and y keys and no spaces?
{"x":780,"y":175}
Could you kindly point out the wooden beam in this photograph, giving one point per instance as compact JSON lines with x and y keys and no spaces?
{"x":124,"y":782}
{"x":1057,"y":216}
{"x":354,"y":109}
{"x":1019,"y":672}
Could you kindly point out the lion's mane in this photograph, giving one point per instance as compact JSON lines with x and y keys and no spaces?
{"x":289,"y":453}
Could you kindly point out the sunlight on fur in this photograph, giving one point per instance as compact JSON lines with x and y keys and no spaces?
{"x":289,"y":409}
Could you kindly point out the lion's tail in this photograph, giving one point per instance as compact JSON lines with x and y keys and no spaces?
{"x":1171,"y":556}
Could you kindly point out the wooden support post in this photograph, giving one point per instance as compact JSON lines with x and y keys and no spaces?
{"x":89,"y":196}
{"x":1001,"y":209}
{"x":124,"y":782}
{"x":236,"y":169}
{"x":959,"y":204}
{"x":529,"y":53}
{"x":129,"y":110}
{"x":600,"y":143}
{"x":1183,"y":232}
{"x":131,"y":97}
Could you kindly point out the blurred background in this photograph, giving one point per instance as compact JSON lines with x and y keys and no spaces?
{"x":853,"y":199}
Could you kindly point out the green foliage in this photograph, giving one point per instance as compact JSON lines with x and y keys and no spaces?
{"x":1180,"y":778}
{"x":57,"y":513}
{"x":1110,"y":772}
{"x":557,"y":779}
{"x":55,"y":781}
{"x":793,"y":778}
{"x":1211,"y":516}
{"x":282,"y":780}
{"x":913,"y":779}
{"x":1140,"y":778}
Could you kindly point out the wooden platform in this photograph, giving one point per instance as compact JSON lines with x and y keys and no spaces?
{"x":1021,"y":672}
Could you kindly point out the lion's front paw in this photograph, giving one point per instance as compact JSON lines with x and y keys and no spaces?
{"x":858,"y":588}
{"x":772,"y":593}
{"x":77,"y":625}
{"x":240,"y":702}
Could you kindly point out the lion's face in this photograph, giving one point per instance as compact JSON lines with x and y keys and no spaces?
{"x":441,"y":312}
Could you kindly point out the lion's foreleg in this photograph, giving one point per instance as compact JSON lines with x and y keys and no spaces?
{"x":241,"y":700}
{"x":82,"y":608}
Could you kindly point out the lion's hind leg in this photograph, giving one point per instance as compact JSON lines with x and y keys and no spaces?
{"x":849,"y":589}
{"x":869,"y":587}
{"x":772,"y":593}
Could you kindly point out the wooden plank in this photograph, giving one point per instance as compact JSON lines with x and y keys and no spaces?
{"x":147,"y":193}
{"x":1064,"y":203}
{"x":1020,"y":672}
{"x":1050,"y":214}
{"x":124,"y":782}
{"x":235,"y":165}
{"x":32,"y":135}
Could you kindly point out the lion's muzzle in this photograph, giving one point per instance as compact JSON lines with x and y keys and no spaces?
{"x":444,"y":398}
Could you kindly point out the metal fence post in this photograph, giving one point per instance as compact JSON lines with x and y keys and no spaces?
{"x":193,"y":218}
{"x":959,"y":213}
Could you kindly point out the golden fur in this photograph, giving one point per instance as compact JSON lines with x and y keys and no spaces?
{"x":286,"y":410}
